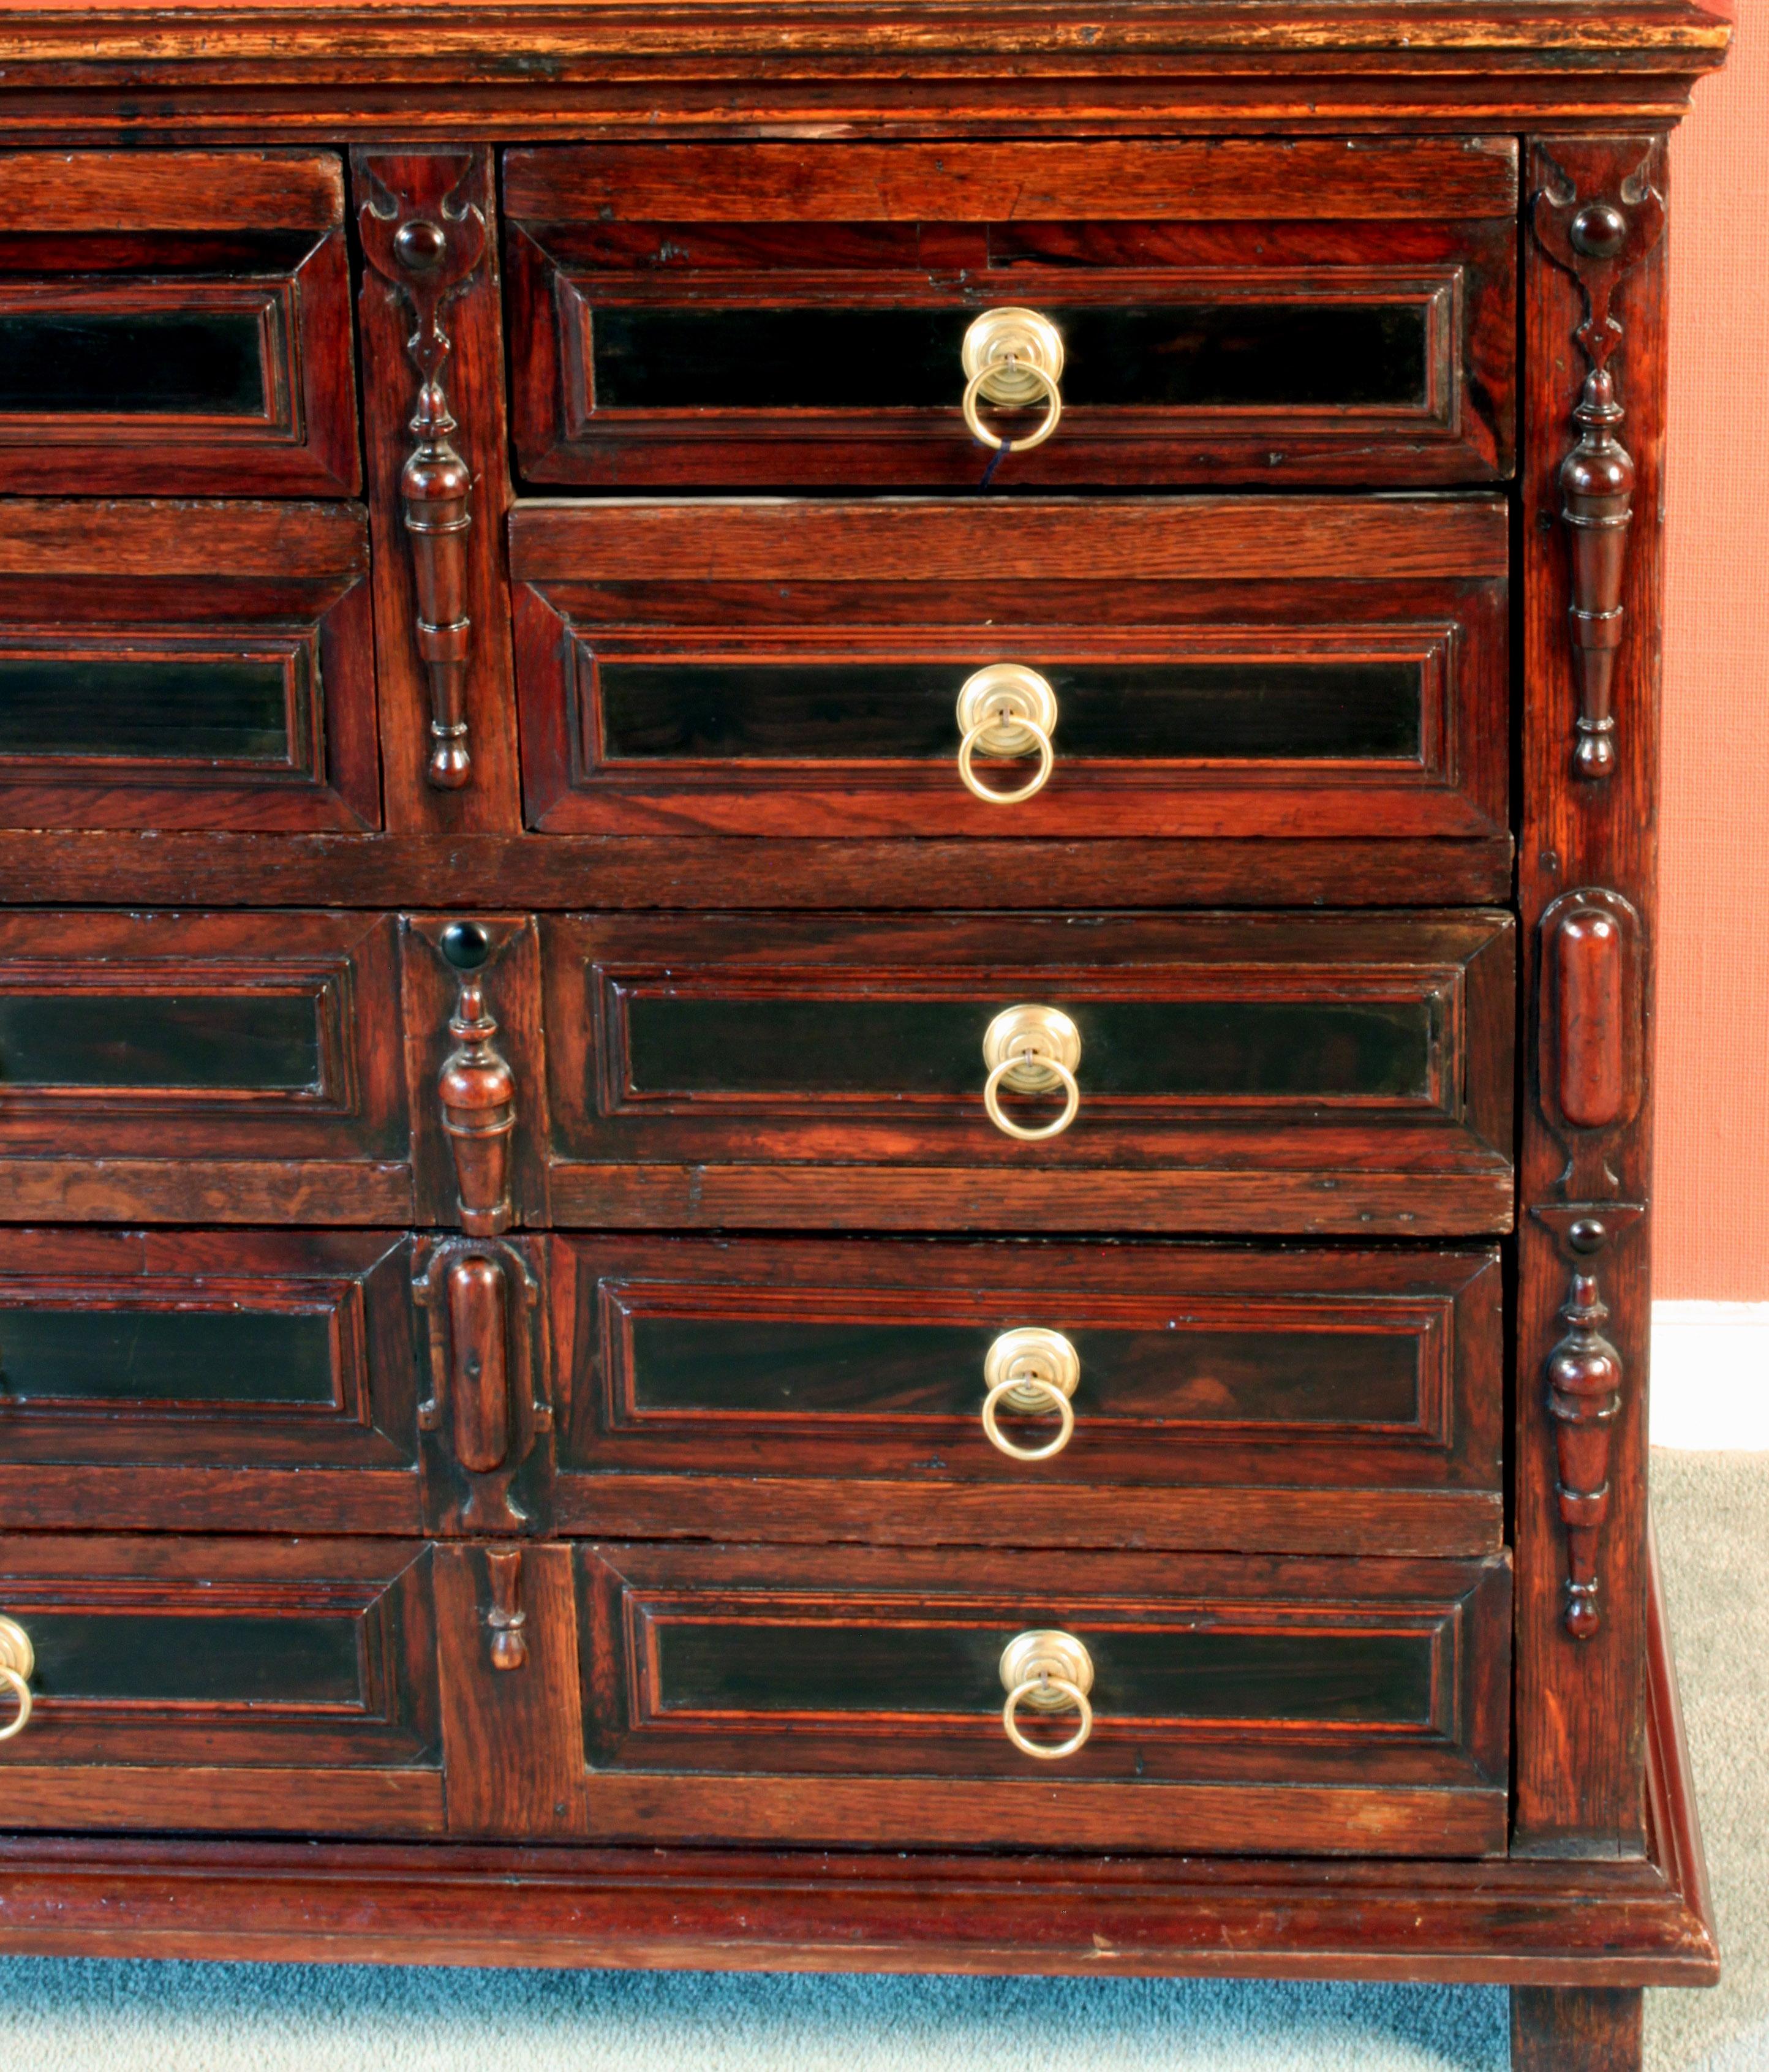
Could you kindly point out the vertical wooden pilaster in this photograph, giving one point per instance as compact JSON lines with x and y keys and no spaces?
{"x":1594,"y":332}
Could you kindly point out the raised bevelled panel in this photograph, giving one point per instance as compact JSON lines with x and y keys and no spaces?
{"x":1191,"y":355}
{"x":107,"y":364}
{"x":1331,"y":1378}
{"x":1364,"y":1677}
{"x":1177,"y":1048}
{"x":189,"y":710}
{"x":1129,"y":712}
{"x":223,"y":1659}
{"x":262,"y":1041}
{"x":125,"y":1356}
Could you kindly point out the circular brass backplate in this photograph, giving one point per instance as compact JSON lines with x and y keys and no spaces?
{"x":1040,"y":1360}
{"x":1030,"y":1035}
{"x":1006,"y":701}
{"x":1032,"y":1658}
{"x":1002,"y":345}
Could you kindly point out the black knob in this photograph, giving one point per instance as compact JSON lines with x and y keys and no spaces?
{"x":1599,"y":231}
{"x":1589,"y":1234}
{"x":466,"y":945}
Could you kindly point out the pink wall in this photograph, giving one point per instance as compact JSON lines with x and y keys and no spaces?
{"x":1711,"y":1240}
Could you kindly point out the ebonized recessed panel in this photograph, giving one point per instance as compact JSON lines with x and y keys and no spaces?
{"x":1197,"y":355}
{"x":120,"y":1354}
{"x":793,"y":1366}
{"x":260,"y":1041}
{"x":192,"y":709}
{"x":1166,"y":1673}
{"x":227,"y":1657}
{"x":854,"y":712}
{"x":118,"y":363}
{"x":1203,"y":1048}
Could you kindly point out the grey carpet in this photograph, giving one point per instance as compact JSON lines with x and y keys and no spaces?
{"x":1714,"y":1525}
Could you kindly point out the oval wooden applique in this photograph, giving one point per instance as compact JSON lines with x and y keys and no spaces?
{"x":1590,"y":960}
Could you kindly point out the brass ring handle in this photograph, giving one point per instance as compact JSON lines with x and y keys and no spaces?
{"x":1034,"y":1371}
{"x":992,"y":1098}
{"x":1006,"y":709}
{"x":18,"y":1659}
{"x":21,"y":1690}
{"x":1033,"y":1050}
{"x":980,"y":432}
{"x":1012,"y":357}
{"x":1053,"y":1396}
{"x":968,"y":747}
{"x":1046,"y":1672}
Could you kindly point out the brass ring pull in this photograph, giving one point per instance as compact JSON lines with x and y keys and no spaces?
{"x":1058,"y":1402}
{"x":1031,"y":1050}
{"x":980,"y":432}
{"x":1033,"y":1372}
{"x":1046,"y":1672}
{"x":1012,"y":357}
{"x":18,"y":1659}
{"x":1006,"y":710}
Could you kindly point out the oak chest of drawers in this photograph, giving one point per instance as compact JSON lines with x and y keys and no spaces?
{"x":827,"y":858}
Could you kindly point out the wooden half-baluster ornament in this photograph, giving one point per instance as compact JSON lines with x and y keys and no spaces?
{"x":477,"y":1089}
{"x":426,"y":240}
{"x":507,"y":1618}
{"x":1597,"y":223}
{"x":1585,"y":1377}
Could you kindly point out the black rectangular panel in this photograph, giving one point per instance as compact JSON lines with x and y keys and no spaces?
{"x":257,"y":1041}
{"x":120,"y":363}
{"x":125,"y":1356}
{"x":191,"y":711}
{"x":1128,"y":712}
{"x":223,"y":1659}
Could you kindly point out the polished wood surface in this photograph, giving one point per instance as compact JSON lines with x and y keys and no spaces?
{"x":502,"y":1239}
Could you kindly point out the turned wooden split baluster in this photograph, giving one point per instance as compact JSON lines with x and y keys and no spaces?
{"x":507,"y":1618}
{"x":1597,"y":223}
{"x":427,"y":240}
{"x":1585,"y":1377}
{"x":477,"y":1089}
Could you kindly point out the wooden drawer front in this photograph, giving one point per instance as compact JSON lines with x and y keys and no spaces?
{"x":227,"y":1379}
{"x":197,"y":1042}
{"x":186,"y":666}
{"x":1325,"y":1401}
{"x":175,"y":322}
{"x":1220,"y":667}
{"x":255,"y":1685}
{"x":1313,"y":1706}
{"x":1231,"y":311}
{"x":1329,"y":1071}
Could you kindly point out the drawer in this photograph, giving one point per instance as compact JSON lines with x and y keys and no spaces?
{"x":200,"y":1067}
{"x":1139,"y":1395}
{"x":232,"y":1380}
{"x":853,"y":1695}
{"x":175,"y":322}
{"x":1233,"y":1072}
{"x":243,"y":1685}
{"x":187,"y":665}
{"x":825,"y":313}
{"x":1209,"y":667}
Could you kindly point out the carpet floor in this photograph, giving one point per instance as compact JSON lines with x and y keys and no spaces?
{"x":80,"y":2015}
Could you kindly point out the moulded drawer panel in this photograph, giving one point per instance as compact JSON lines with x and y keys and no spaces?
{"x":795,"y":314}
{"x":186,"y":666}
{"x":202,"y":1067}
{"x":243,"y":1685}
{"x":175,"y":322}
{"x":1243,"y":1072}
{"x":745,"y":1694}
{"x":754,"y":1388}
{"x":227,"y":1380}
{"x":1208,"y":666}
